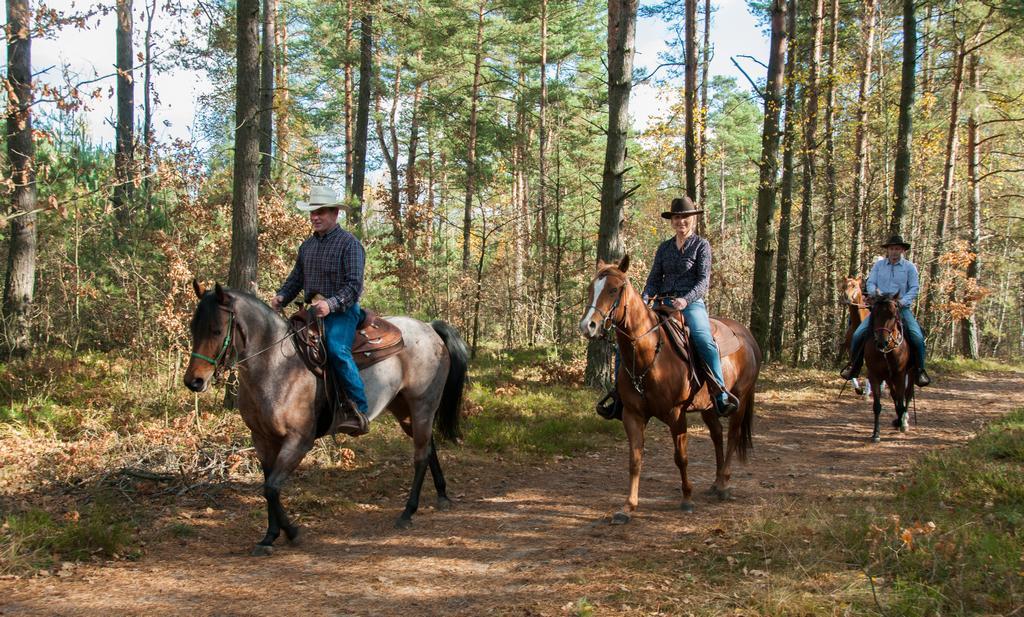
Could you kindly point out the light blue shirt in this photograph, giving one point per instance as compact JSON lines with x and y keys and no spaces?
{"x":890,"y":278}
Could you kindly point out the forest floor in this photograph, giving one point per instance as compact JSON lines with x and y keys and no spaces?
{"x":530,"y":534}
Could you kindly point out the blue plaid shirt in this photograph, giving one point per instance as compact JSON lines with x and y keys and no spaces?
{"x":682,"y":273}
{"x":889,"y":278}
{"x":330,"y":265}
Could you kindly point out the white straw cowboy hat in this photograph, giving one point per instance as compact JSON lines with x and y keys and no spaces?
{"x":319,"y":197}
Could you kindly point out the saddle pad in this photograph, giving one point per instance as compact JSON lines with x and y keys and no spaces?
{"x":376,"y":339}
{"x":727,"y":341}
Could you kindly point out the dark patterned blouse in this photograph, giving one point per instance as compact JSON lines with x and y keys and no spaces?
{"x":682,"y":273}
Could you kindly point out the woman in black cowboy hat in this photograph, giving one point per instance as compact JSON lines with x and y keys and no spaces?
{"x":894,"y":274}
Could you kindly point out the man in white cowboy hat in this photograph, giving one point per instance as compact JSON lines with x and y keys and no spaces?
{"x":330,"y":264}
{"x":894,"y":274}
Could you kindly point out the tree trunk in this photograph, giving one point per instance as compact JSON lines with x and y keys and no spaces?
{"x":413,"y":215}
{"x":267,"y":93}
{"x":702,"y":156}
{"x":244,"y":214}
{"x":764,"y":252}
{"x":542,"y":134}
{"x":691,"y":99}
{"x":906,"y":127}
{"x":831,"y":189}
{"x":281,"y":93}
{"x":348,"y":107}
{"x":861,"y":139}
{"x":621,"y":32}
{"x":124,"y":148}
{"x":948,"y":177}
{"x":147,"y":109}
{"x":19,"y":285}
{"x":789,"y":141}
{"x":355,"y":219}
{"x":467,"y":211}
{"x":969,"y":324}
{"x":809,"y":178}
{"x":390,"y":153}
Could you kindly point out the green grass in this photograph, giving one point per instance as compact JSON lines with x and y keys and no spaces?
{"x":955,"y":366}
{"x":35,"y":539}
{"x":947,"y":539}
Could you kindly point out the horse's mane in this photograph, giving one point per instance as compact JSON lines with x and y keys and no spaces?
{"x":207,"y":307}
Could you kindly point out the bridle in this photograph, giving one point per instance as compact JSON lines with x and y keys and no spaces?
{"x":221,"y":362}
{"x":893,"y":336}
{"x":608,"y":322}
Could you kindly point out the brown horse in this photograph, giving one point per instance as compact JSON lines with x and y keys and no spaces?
{"x":889,"y":360}
{"x":851,"y":295}
{"x":653,"y":382}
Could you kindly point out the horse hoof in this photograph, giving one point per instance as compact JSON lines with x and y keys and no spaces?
{"x":262,"y":550}
{"x":725,"y":494}
{"x":403,"y":523}
{"x":444,"y":504}
{"x":896,"y":423}
{"x":620,"y":518}
{"x":687,"y":507}
{"x":875,"y":439}
{"x":903,"y":428}
{"x":293,"y":534}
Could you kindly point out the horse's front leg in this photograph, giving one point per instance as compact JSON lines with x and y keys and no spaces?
{"x":423,"y":446}
{"x":876,"y":436}
{"x":635,"y":425}
{"x":276,"y":470}
{"x":898,"y":391}
{"x":679,"y":437}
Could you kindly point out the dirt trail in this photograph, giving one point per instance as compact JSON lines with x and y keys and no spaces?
{"x":524,"y":539}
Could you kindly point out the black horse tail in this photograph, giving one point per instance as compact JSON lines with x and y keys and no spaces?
{"x":450,"y":409}
{"x":746,"y":436}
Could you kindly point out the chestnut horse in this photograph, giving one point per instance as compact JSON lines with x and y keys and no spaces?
{"x":283,"y":403}
{"x":888,"y":359}
{"x":654,"y":382}
{"x":851,"y":295}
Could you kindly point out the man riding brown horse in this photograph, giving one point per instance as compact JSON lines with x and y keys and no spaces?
{"x":894,"y":275}
{"x":329,"y":267}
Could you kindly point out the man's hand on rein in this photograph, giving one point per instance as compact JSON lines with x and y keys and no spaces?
{"x":321,"y":308}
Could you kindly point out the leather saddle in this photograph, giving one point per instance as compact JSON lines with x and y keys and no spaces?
{"x":376,"y":339}
{"x":679,"y":334}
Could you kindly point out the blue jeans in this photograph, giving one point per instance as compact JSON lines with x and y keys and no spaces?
{"x":696,"y":316}
{"x":339,"y":331}
{"x":911,"y":328}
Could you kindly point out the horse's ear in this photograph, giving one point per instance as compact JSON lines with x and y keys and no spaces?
{"x":624,"y":263}
{"x":222,"y":294}
{"x":601,"y":264}
{"x":196,"y":287}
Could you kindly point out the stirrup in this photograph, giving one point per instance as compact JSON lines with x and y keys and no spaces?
{"x":728,"y":407}
{"x":353,"y":424}
{"x":848,"y":372}
{"x":610,"y":407}
{"x":922,"y":379}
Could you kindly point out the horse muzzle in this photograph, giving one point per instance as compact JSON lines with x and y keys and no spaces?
{"x":197,"y":384}
{"x":590,"y":328}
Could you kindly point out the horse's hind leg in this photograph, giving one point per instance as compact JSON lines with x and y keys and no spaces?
{"x":679,"y":438}
{"x":443,"y":503}
{"x":714,"y":424}
{"x":423,"y":445}
{"x":276,"y":471}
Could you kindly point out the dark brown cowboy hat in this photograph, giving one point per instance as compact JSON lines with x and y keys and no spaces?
{"x":681,"y":205}
{"x":896,"y":240}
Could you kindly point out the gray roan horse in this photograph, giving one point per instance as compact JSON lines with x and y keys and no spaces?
{"x":280,"y":399}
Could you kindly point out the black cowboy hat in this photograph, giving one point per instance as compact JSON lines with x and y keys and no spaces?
{"x":896,"y":240}
{"x":681,"y":205}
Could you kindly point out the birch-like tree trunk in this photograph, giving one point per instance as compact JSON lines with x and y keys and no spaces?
{"x":969,"y":324}
{"x":860,"y":168}
{"x":831,"y":189}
